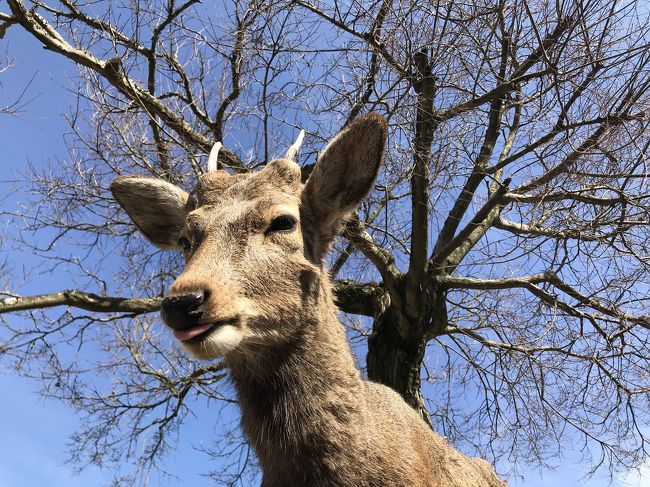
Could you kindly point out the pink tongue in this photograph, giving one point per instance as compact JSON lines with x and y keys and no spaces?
{"x":188,"y":333}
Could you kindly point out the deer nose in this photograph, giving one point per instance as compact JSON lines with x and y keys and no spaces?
{"x":181,"y":311}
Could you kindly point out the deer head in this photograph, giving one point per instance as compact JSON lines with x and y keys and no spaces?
{"x":254,"y":243}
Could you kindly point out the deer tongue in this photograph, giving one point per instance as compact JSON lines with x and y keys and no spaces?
{"x":188,"y":333}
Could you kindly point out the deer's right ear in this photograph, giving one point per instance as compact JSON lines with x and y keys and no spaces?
{"x":156,"y":207}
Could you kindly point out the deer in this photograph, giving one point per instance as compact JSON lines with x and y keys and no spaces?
{"x":255,"y":293}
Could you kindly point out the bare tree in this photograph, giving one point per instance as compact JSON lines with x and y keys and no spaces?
{"x":500,"y":268}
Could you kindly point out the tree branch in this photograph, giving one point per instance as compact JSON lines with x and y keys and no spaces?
{"x":597,"y":305}
{"x":482,"y":219}
{"x":81,"y":300}
{"x":44,"y":32}
{"x":235,"y":71}
{"x":371,"y":38}
{"x":557,"y":233}
{"x":375,"y":33}
{"x":381,"y":258}
{"x":359,"y":298}
{"x":466,"y":195}
{"x":578,"y":195}
{"x":561,"y":127}
{"x":519,"y":76}
{"x":6,"y":21}
{"x":351,"y":297}
{"x":588,"y":144}
{"x":425,"y":126}
{"x":456,"y":282}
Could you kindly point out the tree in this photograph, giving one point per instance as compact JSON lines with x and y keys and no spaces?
{"x":502,"y":257}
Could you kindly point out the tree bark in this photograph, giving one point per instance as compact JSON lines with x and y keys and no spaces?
{"x":395,"y":361}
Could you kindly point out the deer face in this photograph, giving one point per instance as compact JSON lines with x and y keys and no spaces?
{"x":253,"y":244}
{"x":245,"y":268}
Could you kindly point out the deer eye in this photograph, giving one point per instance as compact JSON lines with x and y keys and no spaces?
{"x":282,"y":223}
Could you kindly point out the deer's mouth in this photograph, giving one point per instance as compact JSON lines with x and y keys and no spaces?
{"x":198,"y":333}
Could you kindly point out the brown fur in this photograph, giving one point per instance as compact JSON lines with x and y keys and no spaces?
{"x":311,"y":418}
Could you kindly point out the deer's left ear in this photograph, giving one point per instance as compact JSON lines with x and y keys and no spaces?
{"x":344,"y":174}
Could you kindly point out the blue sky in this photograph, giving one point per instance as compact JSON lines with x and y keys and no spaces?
{"x":35,"y":431}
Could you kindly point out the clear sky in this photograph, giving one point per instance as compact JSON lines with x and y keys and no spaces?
{"x":34,"y":431}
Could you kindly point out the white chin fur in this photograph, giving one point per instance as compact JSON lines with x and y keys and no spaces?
{"x":219,"y":343}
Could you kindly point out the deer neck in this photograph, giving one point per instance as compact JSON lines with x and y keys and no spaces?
{"x":301,"y":400}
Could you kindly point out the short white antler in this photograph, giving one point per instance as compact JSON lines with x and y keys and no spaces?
{"x":214,"y":154}
{"x":293,"y":150}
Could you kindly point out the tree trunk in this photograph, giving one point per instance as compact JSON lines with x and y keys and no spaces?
{"x":396,"y":362}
